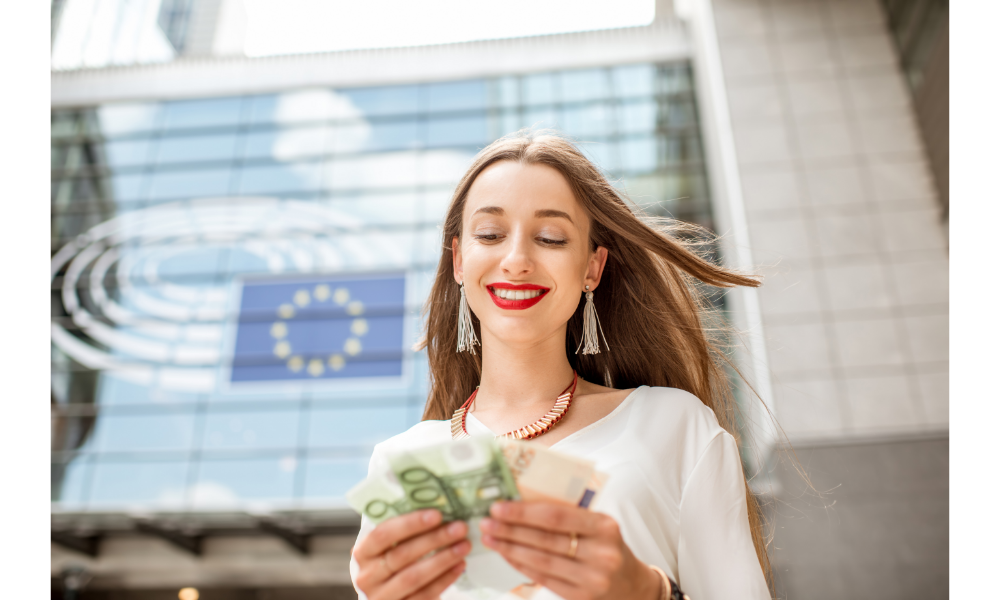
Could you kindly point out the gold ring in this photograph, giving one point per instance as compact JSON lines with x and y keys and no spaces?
{"x":385,"y":564}
{"x":573,"y":543}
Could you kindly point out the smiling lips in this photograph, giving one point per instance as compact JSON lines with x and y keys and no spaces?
{"x":516,"y":297}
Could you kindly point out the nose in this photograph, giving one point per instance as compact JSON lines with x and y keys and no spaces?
{"x":517,"y":261}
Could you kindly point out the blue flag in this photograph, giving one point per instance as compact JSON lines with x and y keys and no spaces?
{"x":320,"y":328}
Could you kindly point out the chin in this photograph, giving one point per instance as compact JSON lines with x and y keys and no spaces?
{"x":519,"y":331}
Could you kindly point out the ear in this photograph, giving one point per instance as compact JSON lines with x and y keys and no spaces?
{"x":456,"y":261}
{"x":595,"y":267}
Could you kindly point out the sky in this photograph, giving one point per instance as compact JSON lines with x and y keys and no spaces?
{"x":97,"y":33}
{"x":292,"y":26}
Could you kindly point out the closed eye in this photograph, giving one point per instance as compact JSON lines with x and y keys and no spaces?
{"x":549,"y":242}
{"x":487,"y":237}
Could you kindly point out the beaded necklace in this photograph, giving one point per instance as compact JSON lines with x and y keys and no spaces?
{"x":543,"y":425}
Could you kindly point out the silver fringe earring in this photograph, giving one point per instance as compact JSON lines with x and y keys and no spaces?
{"x":591,"y":326}
{"x":467,"y":339}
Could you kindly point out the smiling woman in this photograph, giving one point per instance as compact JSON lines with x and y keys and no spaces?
{"x":537,"y":248}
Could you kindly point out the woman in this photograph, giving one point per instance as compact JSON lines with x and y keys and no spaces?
{"x":550,"y":259}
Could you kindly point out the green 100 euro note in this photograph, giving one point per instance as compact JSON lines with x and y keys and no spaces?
{"x":461,"y":479}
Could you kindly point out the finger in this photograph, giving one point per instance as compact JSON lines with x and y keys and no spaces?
{"x":547,"y":541}
{"x":432,"y":591}
{"x":422,"y":572}
{"x":395,"y":530}
{"x":414,"y":548}
{"x":549,"y":516}
{"x":560,"y":587}
{"x":552,"y":565}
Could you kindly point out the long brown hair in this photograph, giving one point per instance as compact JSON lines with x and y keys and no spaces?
{"x":657,"y":321}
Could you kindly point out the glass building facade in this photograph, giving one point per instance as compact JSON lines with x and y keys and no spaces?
{"x":237,"y":282}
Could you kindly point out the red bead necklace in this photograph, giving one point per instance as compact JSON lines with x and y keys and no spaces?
{"x":543,"y":425}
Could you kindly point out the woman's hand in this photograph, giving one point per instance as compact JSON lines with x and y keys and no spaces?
{"x":391,"y":558}
{"x":536,"y":539}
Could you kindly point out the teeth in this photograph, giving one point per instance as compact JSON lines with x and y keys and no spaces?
{"x":516,"y":294}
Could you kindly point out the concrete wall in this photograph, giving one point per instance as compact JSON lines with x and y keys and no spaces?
{"x":879,"y":531}
{"x":843,"y":220}
{"x":841,"y":210}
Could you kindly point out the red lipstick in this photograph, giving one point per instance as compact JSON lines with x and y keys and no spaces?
{"x":511,"y":303}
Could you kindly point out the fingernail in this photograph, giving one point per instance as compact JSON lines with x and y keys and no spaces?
{"x":498,"y":509}
{"x":461,"y":548}
{"x":456,"y":529}
{"x":431,"y":516}
{"x":487,"y":525}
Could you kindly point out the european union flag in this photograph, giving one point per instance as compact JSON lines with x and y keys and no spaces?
{"x":320,"y":328}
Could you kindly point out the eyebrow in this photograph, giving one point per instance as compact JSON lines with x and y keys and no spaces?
{"x":548,"y":212}
{"x":539,"y":214}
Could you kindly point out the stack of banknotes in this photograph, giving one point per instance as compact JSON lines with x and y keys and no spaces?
{"x":462,"y":479}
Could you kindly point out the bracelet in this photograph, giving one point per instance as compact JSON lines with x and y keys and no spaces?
{"x":671,"y":591}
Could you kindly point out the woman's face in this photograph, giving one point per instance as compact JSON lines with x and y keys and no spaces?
{"x":524,"y":254}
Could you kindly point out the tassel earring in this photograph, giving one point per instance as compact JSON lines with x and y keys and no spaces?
{"x":591,"y":326}
{"x":467,"y":339}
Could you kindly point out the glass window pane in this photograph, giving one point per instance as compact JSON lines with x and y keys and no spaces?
{"x":171,"y":185}
{"x":380,"y":135}
{"x":375,"y":208}
{"x":679,"y":113}
{"x":373,"y":171}
{"x":259,"y":144}
{"x":506,"y":92}
{"x":541,"y":118}
{"x":675,"y":79}
{"x":329,"y":479}
{"x":196,"y":148}
{"x":454,"y":96}
{"x":445,"y":167}
{"x":638,"y":155}
{"x":127,"y":188}
{"x":295,"y":143}
{"x":160,"y":484}
{"x":637,"y":117}
{"x":127,"y":118}
{"x":538,"y":89}
{"x":280,"y":179}
{"x":127,"y":153}
{"x":587,"y":121}
{"x":131,"y":433}
{"x":58,"y":155}
{"x":69,"y":481}
{"x":584,"y":84}
{"x":634,"y":80}
{"x":300,"y":106}
{"x":215,"y":112}
{"x":64,"y":125}
{"x":460,"y":131}
{"x":224,"y":483}
{"x":114,"y":390}
{"x":386,"y":100}
{"x":230,"y":429}
{"x":603,"y":154}
{"x":72,"y":433}
{"x":331,"y":427}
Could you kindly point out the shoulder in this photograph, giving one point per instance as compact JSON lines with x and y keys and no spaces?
{"x":423,"y":433}
{"x":677,"y":419}
{"x":677,"y":404}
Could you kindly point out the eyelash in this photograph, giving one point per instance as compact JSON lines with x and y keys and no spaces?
{"x":492,"y":237}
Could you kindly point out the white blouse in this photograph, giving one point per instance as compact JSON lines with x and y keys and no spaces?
{"x":675,"y":488}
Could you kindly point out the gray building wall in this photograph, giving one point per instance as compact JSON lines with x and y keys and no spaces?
{"x":842,"y":216}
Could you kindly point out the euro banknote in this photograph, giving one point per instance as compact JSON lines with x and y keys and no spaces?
{"x":461,"y":479}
